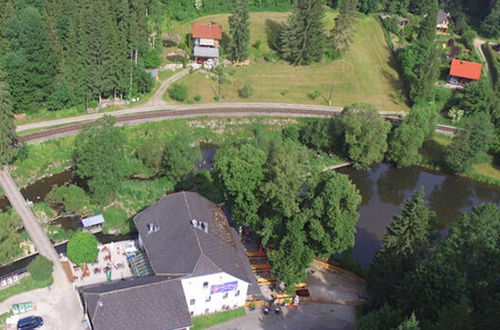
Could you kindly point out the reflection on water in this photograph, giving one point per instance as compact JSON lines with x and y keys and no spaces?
{"x":383,"y":189}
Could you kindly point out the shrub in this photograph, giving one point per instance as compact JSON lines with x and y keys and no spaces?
{"x":82,"y":248}
{"x":291,"y":133}
{"x":152,"y":59}
{"x":197,"y":98}
{"x":217,"y":98}
{"x":41,"y":269}
{"x":257,"y":44}
{"x":178,"y":92}
{"x":116,"y":218}
{"x":314,"y":95}
{"x":246,"y":91}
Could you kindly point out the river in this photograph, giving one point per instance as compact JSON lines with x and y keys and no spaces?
{"x":383,"y":188}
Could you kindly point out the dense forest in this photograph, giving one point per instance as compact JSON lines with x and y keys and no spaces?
{"x":57,"y":54}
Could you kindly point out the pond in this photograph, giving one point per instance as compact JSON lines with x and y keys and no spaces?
{"x":383,"y":189}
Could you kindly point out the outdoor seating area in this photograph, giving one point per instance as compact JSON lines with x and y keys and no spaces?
{"x":111,"y":265}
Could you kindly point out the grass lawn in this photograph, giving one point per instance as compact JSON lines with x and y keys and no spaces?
{"x":25,"y":284}
{"x":207,"y":321}
{"x":365,"y":74}
{"x":3,"y":317}
{"x":433,"y":153}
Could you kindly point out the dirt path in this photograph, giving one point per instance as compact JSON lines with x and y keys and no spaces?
{"x":478,"y":43}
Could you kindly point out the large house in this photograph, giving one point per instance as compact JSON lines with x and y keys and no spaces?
{"x":199,"y":266}
{"x":442,"y":21}
{"x":462,"y":72}
{"x":206,"y":38}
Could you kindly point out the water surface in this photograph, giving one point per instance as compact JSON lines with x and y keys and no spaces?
{"x":383,"y":189}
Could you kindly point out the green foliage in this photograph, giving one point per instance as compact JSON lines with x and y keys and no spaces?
{"x":29,"y":64}
{"x":7,"y":127}
{"x":408,"y":138}
{"x":365,"y":134}
{"x":152,"y":59}
{"x":292,"y":256}
{"x":179,"y":158}
{"x":342,"y":34}
{"x":471,"y":143}
{"x":491,"y":24}
{"x":10,"y":239}
{"x":100,"y":157}
{"x":240,"y":169}
{"x":318,"y":134}
{"x":300,"y":45}
{"x":246,"y":91}
{"x":387,"y":317}
{"x":197,"y":97}
{"x":178,"y":92}
{"x":82,"y":248}
{"x":72,"y":198}
{"x":406,"y":241}
{"x":150,"y":152}
{"x":40,"y":269}
{"x":25,"y":284}
{"x":239,"y":29}
{"x":476,"y":97}
{"x":208,"y":321}
{"x":116,"y":218}
{"x":368,"y":6}
{"x":332,"y":213}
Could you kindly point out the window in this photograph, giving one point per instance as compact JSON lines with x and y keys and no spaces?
{"x":191,"y":302}
{"x":208,"y":299}
{"x":224,"y":296}
{"x":237,"y":293}
{"x":205,"y":285}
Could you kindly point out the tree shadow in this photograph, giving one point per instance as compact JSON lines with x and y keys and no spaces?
{"x":225,"y":42}
{"x":434,"y":152}
{"x":395,"y":184}
{"x":273,"y":33}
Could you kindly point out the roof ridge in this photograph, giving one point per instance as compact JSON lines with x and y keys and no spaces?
{"x":194,"y":230}
{"x":136,"y":286}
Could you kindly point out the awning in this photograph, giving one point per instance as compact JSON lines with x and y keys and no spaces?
{"x":206,"y":52}
{"x":92,"y":221}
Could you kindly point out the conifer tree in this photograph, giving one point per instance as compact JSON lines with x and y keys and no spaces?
{"x":7,"y":127}
{"x":240,"y":32}
{"x":341,"y":35}
{"x":303,"y":39}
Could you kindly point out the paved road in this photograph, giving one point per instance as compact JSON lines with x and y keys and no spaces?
{"x":66,"y":309}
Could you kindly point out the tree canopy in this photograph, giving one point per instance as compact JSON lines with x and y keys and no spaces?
{"x":239,"y":29}
{"x":82,"y":248}
{"x":40,"y":269}
{"x":7,"y":127}
{"x":365,"y":134}
{"x":100,"y":157}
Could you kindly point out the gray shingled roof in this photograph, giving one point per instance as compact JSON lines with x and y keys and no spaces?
{"x":178,"y":248}
{"x":143,"y":303}
{"x":441,"y":16}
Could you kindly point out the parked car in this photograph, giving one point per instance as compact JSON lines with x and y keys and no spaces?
{"x":30,"y":322}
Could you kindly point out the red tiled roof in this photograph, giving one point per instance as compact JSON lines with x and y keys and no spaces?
{"x":464,"y":69}
{"x":207,"y":31}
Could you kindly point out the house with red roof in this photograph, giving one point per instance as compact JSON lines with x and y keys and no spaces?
{"x":206,"y":38}
{"x":462,"y":72}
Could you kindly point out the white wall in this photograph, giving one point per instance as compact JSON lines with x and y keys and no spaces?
{"x":193,"y":289}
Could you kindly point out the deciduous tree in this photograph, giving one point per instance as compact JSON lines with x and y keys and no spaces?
{"x":100,"y":157}
{"x":365,"y":134}
{"x":82,"y":248}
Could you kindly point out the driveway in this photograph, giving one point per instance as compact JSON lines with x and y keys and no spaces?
{"x":308,"y":316}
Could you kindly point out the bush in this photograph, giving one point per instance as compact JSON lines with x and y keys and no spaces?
{"x":257,"y":44}
{"x":82,"y":248}
{"x":41,"y":269}
{"x":152,"y":59}
{"x":72,"y":198}
{"x":178,"y":92}
{"x":197,"y":98}
{"x":116,"y":218}
{"x":291,"y":133}
{"x":217,"y":98}
{"x":150,"y":152}
{"x":314,"y":95}
{"x":246,"y":91}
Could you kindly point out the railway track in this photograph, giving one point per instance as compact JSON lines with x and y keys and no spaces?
{"x":71,"y":129}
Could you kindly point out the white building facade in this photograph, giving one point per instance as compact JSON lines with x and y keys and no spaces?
{"x":214,"y":293}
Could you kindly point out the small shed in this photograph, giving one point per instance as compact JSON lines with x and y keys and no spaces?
{"x":442,"y":21}
{"x":93,"y":224}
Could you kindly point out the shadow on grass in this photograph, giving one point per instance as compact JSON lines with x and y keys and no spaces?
{"x":273,"y":32}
